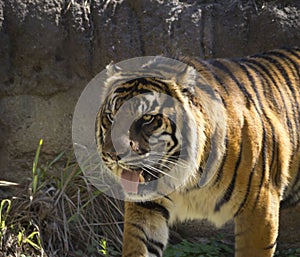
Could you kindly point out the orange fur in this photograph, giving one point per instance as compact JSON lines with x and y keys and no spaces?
{"x":258,"y":145}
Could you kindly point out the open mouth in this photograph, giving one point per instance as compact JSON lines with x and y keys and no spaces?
{"x":132,"y":179}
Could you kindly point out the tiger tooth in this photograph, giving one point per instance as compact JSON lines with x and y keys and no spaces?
{"x":141,"y":178}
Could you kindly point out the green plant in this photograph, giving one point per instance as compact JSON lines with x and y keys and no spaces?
{"x":106,"y":250}
{"x":4,"y":212}
{"x":39,"y":171}
{"x":288,"y":253}
{"x":213,"y":248}
{"x":36,"y":173}
{"x":59,"y":213}
{"x":32,"y":239}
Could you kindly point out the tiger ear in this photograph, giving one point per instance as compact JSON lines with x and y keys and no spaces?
{"x":112,"y":69}
{"x":187,"y":79}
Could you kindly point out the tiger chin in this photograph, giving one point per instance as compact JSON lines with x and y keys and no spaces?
{"x":193,"y":139}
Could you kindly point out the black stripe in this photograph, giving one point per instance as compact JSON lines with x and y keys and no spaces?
{"x":220,"y":170}
{"x":152,"y":250}
{"x":266,"y":116}
{"x":117,"y":99}
{"x":285,"y":56}
{"x":226,"y":70}
{"x":167,"y":197}
{"x":252,"y":63}
{"x":266,"y":71}
{"x":164,"y":87}
{"x":271,"y":246}
{"x":145,"y":91}
{"x":148,"y":244}
{"x":290,"y":62}
{"x":288,"y":82}
{"x":123,"y":89}
{"x":157,"y":244}
{"x":264,"y":149}
{"x":138,"y":238}
{"x":270,"y":95}
{"x":261,"y":108}
{"x":173,"y":136}
{"x":212,"y":62}
{"x":155,"y":207}
{"x":139,"y":227}
{"x":249,"y":76}
{"x":247,"y":94}
{"x":284,"y":74}
{"x":122,"y":80}
{"x":153,"y":246}
{"x":247,"y":193}
{"x":249,"y":97}
{"x":149,"y":81}
{"x":230,"y":188}
{"x":274,"y":161}
{"x":207,"y":66}
{"x":264,"y":165}
{"x":293,"y":51}
{"x":278,"y":171}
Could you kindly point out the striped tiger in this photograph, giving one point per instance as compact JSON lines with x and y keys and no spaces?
{"x":216,"y":140}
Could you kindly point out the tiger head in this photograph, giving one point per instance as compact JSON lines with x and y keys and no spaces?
{"x":149,"y":130}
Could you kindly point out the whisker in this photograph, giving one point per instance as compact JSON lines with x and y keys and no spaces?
{"x":167,"y":154}
{"x":161,"y":164}
{"x":158,"y":170}
{"x":177,"y":161}
{"x":180,"y":163}
{"x":148,"y":171}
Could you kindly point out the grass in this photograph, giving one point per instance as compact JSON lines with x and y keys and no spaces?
{"x":59,"y":215}
{"x":214,"y":247}
{"x":64,"y":215}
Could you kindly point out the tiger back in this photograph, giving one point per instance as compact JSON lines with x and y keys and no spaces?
{"x":240,"y":121}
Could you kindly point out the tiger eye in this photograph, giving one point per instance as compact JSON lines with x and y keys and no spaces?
{"x":147,"y":117}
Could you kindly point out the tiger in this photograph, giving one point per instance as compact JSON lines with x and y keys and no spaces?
{"x":215,"y":139}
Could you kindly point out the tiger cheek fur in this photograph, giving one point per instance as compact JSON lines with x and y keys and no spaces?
{"x":254,"y":141}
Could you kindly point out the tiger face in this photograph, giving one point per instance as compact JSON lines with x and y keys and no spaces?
{"x":145,"y":137}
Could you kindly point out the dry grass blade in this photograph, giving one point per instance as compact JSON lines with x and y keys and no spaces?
{"x":65,"y":216}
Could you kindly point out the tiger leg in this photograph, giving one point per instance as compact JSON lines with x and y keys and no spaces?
{"x":145,"y":230}
{"x":256,"y":227}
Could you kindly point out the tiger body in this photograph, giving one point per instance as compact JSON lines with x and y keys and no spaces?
{"x":256,"y":161}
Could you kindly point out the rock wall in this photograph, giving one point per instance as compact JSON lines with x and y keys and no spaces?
{"x":50,"y":49}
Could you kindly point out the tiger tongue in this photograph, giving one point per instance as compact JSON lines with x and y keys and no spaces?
{"x":130,"y":181}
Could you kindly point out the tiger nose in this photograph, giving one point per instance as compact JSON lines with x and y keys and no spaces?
{"x":121,"y":144}
{"x":136,"y":147}
{"x":116,"y":148}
